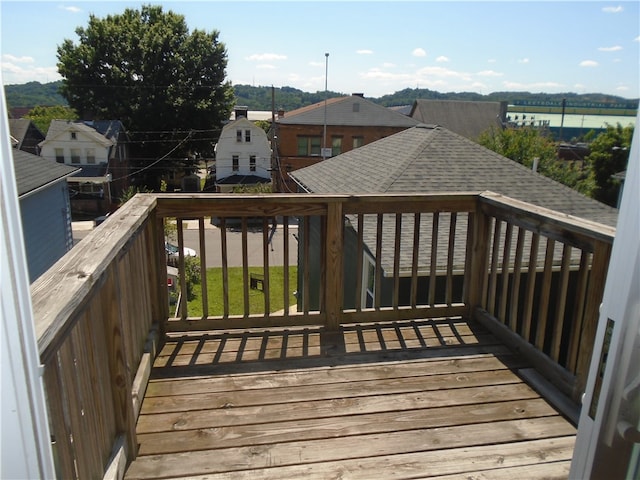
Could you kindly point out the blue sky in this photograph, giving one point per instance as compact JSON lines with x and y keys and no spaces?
{"x":375,"y":47}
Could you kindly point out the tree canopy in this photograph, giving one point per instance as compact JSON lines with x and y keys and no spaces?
{"x":523,"y":145}
{"x":609,"y":156}
{"x":145,"y":68}
{"x":42,"y":116}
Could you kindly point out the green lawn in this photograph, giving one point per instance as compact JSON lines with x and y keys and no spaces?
{"x":236,"y":296}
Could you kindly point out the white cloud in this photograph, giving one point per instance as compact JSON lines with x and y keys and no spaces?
{"x":442,"y":59}
{"x":364,"y":52}
{"x":489,"y":73}
{"x":70,"y":8}
{"x":637,"y":39}
{"x":622,"y":89}
{"x":13,"y":59}
{"x":523,"y":60}
{"x":588,"y":63}
{"x":419,"y":52}
{"x":492,"y":60}
{"x":16,"y":73}
{"x":617,"y":9}
{"x":265,"y":57}
{"x":266,"y":66}
{"x":388,"y":65}
{"x":615,"y":48}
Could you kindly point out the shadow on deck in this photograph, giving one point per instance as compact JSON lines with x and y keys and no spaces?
{"x":413,"y":399}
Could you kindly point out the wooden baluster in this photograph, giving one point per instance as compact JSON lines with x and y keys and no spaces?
{"x":450,"y":258}
{"x":203,"y":269}
{"x":545,"y":296}
{"x":527,"y":308}
{"x":245,"y":268}
{"x":182,"y":271}
{"x":225,"y":266}
{"x":285,"y":273}
{"x":506,"y":259}
{"x":561,"y":302}
{"x":493,"y":277}
{"x":265,"y":268}
{"x":515,"y":285}
{"x":334,"y":272}
{"x":578,"y":311}
{"x":415,"y":259}
{"x":433,"y":265}
{"x":396,"y":261}
{"x":378,"y":275}
{"x":359,"y":263}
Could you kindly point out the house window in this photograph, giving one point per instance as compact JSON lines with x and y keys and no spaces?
{"x":247,"y":136}
{"x":59,"y":155}
{"x":73,"y":136}
{"x":336,"y":146}
{"x":235,"y":163}
{"x":309,"y":146}
{"x":238,"y":135}
{"x":75,"y":155}
{"x":369,"y":282}
{"x":252,"y":163}
{"x":91,"y":155}
{"x":358,"y":142}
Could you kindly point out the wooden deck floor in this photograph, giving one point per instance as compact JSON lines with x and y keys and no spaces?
{"x":418,"y":399}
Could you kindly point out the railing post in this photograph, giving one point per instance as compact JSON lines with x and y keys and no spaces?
{"x":478,"y":237}
{"x":595,"y":291}
{"x":333,"y":265}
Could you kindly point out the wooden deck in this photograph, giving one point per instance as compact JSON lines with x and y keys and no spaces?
{"x":415,"y":399}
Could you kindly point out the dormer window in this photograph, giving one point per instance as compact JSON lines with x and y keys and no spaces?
{"x":247,"y":136}
{"x":73,"y":136}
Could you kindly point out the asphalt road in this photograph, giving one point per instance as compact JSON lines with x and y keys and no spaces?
{"x":213,"y":248}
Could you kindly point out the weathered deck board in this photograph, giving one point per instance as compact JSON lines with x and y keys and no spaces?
{"x":454,"y":410}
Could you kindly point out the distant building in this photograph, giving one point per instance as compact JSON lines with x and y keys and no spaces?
{"x":243,"y":155}
{"x":466,"y":118}
{"x":25,"y":135}
{"x":351,"y":122}
{"x":43,"y":195}
{"x":100,"y":150}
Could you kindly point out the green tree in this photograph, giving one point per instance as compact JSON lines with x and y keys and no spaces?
{"x":166,"y":84}
{"x":42,"y":116}
{"x":609,"y":155}
{"x":523,"y":145}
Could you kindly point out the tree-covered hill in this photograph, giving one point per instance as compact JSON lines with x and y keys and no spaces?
{"x":33,"y":94}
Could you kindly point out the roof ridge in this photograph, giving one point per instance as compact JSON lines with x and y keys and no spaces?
{"x":410,"y":157}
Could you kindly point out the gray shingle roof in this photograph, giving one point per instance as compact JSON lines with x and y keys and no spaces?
{"x":465,"y":118}
{"x":428,"y":159}
{"x":33,"y":172}
{"x":348,"y":111}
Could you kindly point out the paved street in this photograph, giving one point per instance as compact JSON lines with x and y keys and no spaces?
{"x":234,"y":244}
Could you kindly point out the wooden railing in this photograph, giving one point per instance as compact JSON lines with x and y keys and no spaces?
{"x":533,"y":276}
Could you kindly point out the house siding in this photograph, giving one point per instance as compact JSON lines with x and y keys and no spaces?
{"x":46,"y":227}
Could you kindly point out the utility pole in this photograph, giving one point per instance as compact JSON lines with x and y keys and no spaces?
{"x":324,"y":133}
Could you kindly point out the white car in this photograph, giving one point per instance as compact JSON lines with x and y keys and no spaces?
{"x":172,"y":251}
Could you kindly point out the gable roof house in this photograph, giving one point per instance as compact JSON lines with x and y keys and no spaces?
{"x":25,"y":135}
{"x":100,"y":149}
{"x":243,"y":155}
{"x":43,"y":195}
{"x":432,"y":159}
{"x":351,"y":122}
{"x":465,"y":118}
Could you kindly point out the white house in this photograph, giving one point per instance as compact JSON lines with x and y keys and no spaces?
{"x":243,"y":155}
{"x":99,"y":149}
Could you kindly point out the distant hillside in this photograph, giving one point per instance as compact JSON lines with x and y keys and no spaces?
{"x":31,"y":94}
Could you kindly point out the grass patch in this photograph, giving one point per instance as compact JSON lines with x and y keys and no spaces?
{"x":236,"y":295}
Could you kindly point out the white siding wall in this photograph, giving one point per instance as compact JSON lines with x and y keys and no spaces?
{"x":82,"y":143}
{"x":228,"y":146}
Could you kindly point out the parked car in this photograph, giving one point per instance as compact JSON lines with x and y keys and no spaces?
{"x":173,"y":252}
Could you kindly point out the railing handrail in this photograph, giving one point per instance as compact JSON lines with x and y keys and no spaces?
{"x":60,"y":293}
